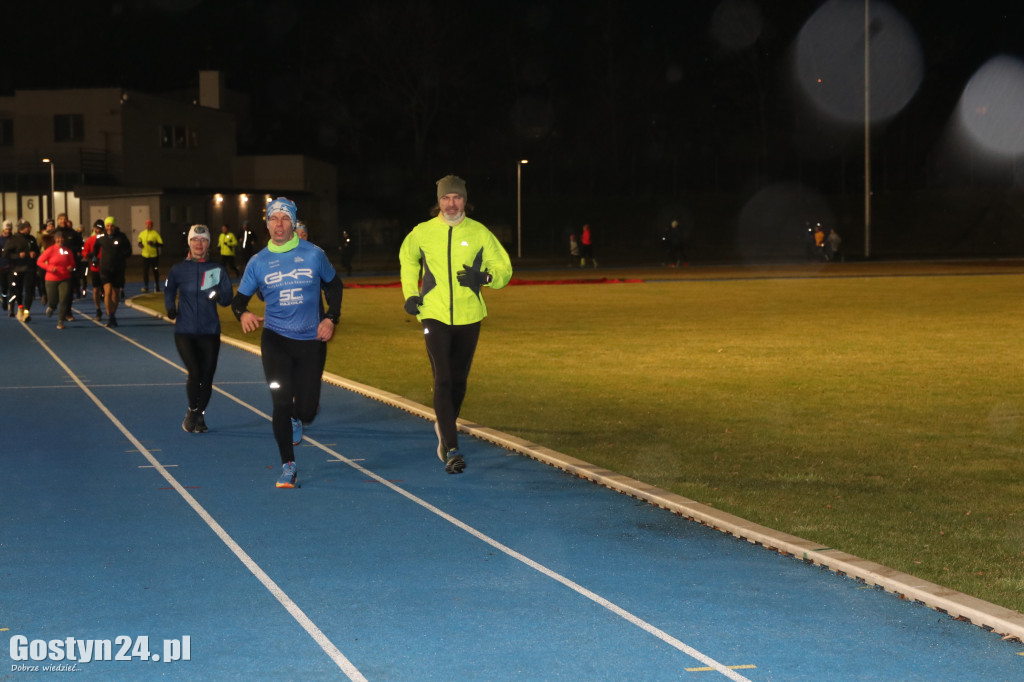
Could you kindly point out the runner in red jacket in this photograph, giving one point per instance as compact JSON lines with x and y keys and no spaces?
{"x":58,"y":263}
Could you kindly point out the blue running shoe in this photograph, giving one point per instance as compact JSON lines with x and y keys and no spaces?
{"x":296,"y":431}
{"x":453,"y":463}
{"x":288,"y":476}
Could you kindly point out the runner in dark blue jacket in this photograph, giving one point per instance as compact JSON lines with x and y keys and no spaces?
{"x":199,"y":285}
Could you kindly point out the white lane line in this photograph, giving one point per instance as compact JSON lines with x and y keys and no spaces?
{"x":544,"y":570}
{"x":576,"y":587}
{"x":293,"y":609}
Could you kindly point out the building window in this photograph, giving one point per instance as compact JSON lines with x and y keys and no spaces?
{"x":68,"y":128}
{"x":178,"y":137}
{"x":6,"y":132}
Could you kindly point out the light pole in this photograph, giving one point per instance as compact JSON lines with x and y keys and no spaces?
{"x":867,"y":128}
{"x":53,"y":194}
{"x":519,"y":206}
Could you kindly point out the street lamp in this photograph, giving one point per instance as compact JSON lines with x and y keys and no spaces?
{"x":53,"y":194}
{"x":519,"y":206}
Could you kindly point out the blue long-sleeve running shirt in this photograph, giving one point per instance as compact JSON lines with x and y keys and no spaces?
{"x":290,"y":284}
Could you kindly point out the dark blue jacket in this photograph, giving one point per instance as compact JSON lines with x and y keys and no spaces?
{"x":199,"y":287}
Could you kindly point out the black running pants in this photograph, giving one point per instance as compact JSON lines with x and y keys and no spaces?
{"x":294,"y":370}
{"x":199,"y":352}
{"x":451,"y":349}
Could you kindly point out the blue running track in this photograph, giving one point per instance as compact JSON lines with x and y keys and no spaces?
{"x":117,"y":526}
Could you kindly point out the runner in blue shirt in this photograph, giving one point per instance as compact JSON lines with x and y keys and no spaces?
{"x":290,"y":274}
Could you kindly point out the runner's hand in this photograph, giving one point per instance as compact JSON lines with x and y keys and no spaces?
{"x":250,"y":322}
{"x":325,"y":330}
{"x":412,"y":304}
{"x":473,"y":277}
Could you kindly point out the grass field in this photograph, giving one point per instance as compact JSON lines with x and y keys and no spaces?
{"x":874,"y":408}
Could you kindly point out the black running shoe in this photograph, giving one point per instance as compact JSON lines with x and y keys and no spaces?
{"x":189,"y":424}
{"x":454,"y":464}
{"x":200,"y":426}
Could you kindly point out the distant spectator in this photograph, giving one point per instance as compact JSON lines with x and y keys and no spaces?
{"x":587,"y":248}
{"x":819,"y":242}
{"x":674,"y":245}
{"x":347,"y":251}
{"x":833,"y":242}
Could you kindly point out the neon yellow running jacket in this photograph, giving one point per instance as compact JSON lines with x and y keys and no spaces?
{"x":432,"y":255}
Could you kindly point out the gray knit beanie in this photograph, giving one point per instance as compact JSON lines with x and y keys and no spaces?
{"x":451,"y":184}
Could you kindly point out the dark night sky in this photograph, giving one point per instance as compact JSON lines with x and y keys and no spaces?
{"x":608,"y":96}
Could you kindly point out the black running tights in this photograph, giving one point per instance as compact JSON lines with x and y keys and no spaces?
{"x":451,"y":349}
{"x":199,"y":352}
{"x":294,"y":370}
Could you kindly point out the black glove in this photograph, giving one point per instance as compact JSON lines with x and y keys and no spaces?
{"x":412,"y":304}
{"x":172,"y":313}
{"x":473,"y":278}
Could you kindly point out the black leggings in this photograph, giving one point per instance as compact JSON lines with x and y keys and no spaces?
{"x":22,"y":288}
{"x":294,"y":370}
{"x":451,"y":350}
{"x":199,"y":352}
{"x":151,"y":265}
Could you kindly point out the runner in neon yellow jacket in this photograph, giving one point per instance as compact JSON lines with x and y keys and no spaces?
{"x":434,"y":253}
{"x":446,"y":263}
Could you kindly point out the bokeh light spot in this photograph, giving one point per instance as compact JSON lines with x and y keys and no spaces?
{"x":830,"y":60}
{"x":773,"y":223}
{"x":992,"y":107}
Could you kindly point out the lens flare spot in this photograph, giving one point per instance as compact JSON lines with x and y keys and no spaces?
{"x":829,"y":60}
{"x":991,"y":109}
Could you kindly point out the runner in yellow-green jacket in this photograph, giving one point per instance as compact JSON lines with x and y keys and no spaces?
{"x":150,"y":244}
{"x":446,"y":263}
